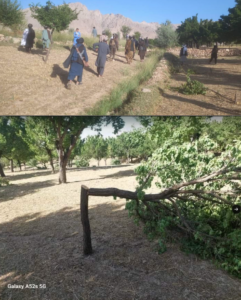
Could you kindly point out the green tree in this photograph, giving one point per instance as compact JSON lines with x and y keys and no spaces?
{"x":55,"y":17}
{"x":125,"y":30}
{"x":226,"y":132}
{"x":67,"y":131}
{"x":189,"y":31}
{"x":11,"y":13}
{"x":177,"y":129}
{"x":231,"y":24}
{"x":137,"y":35}
{"x":12,"y":142}
{"x":95,"y":147}
{"x":107,"y":32}
{"x":40,"y":138}
{"x":166,"y":35}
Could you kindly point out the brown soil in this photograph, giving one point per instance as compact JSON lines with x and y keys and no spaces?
{"x":30,"y":86}
{"x":41,"y":243}
{"x":222,"y":80}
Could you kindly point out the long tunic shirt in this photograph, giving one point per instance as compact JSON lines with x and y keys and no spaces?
{"x":94,"y":32}
{"x":102,"y":52}
{"x":77,"y":35}
{"x":45,"y":38}
{"x":25,"y":34}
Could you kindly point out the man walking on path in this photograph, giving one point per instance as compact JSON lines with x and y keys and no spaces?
{"x":103,"y":50}
{"x":94,"y":32}
{"x":77,"y":59}
{"x":113,"y":46}
{"x":46,"y":38}
{"x":214,"y":54}
{"x":183,"y":54}
{"x":30,"y":38}
{"x":129,"y":50}
{"x":142,"y":49}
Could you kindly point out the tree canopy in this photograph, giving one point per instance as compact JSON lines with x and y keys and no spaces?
{"x":166,"y":35}
{"x":125,"y":30}
{"x":55,"y":17}
{"x":11,"y":13}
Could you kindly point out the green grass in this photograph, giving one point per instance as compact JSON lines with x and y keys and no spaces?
{"x":126,"y":88}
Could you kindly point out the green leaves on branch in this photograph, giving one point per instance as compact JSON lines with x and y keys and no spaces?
{"x":55,"y":17}
{"x":11,"y":13}
{"x":166,"y":35}
{"x":201,"y":188}
{"x":193,"y":87}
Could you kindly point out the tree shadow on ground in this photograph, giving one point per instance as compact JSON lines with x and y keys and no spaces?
{"x":120,"y":174}
{"x":61,"y":73}
{"x":13,"y":191}
{"x":119,"y":60}
{"x":206,"y":74}
{"x":47,"y":249}
{"x":19,"y":176}
{"x":230,"y":111}
{"x":33,"y":51}
{"x":96,"y":168}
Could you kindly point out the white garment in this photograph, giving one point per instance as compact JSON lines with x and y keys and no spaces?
{"x":25,"y":34}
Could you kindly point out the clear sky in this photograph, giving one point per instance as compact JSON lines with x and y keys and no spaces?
{"x":154,"y":10}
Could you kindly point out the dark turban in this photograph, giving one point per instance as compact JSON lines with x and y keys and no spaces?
{"x":80,"y":41}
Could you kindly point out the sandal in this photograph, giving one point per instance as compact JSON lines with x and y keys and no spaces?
{"x":69,"y":85}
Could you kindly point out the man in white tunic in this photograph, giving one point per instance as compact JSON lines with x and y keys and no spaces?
{"x":25,"y":34}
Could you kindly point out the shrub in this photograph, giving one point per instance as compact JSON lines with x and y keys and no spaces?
{"x":39,"y":44}
{"x":3,"y":181}
{"x":107,"y":32}
{"x":115,"y":162}
{"x":82,"y":162}
{"x":192,"y":87}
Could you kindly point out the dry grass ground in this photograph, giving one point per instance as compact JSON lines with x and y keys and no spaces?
{"x":222,"y":80}
{"x":31,"y":87}
{"x":41,"y":243}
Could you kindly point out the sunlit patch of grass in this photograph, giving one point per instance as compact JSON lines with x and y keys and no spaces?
{"x":122,"y":92}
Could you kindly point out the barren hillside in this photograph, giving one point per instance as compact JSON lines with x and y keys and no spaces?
{"x":89,"y":18}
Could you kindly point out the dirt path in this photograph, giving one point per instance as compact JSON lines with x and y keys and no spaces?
{"x":41,"y":243}
{"x":29,"y":86}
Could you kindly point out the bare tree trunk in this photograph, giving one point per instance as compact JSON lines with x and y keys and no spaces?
{"x":11,"y":165}
{"x":1,"y":171}
{"x":50,"y":159}
{"x":84,"y":198}
{"x":98,"y":163}
{"x":62,"y":169}
{"x":19,"y":164}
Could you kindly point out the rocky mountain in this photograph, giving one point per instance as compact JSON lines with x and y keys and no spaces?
{"x":87,"y":19}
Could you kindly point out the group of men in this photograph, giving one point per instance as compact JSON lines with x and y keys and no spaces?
{"x":78,"y":57}
{"x":29,"y":36}
{"x":132,"y":45}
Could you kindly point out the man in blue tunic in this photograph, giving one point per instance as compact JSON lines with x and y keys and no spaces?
{"x":103,"y":50}
{"x":77,"y":59}
{"x":77,"y":35}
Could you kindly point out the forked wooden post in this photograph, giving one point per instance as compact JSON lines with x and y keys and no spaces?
{"x":84,"y":198}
